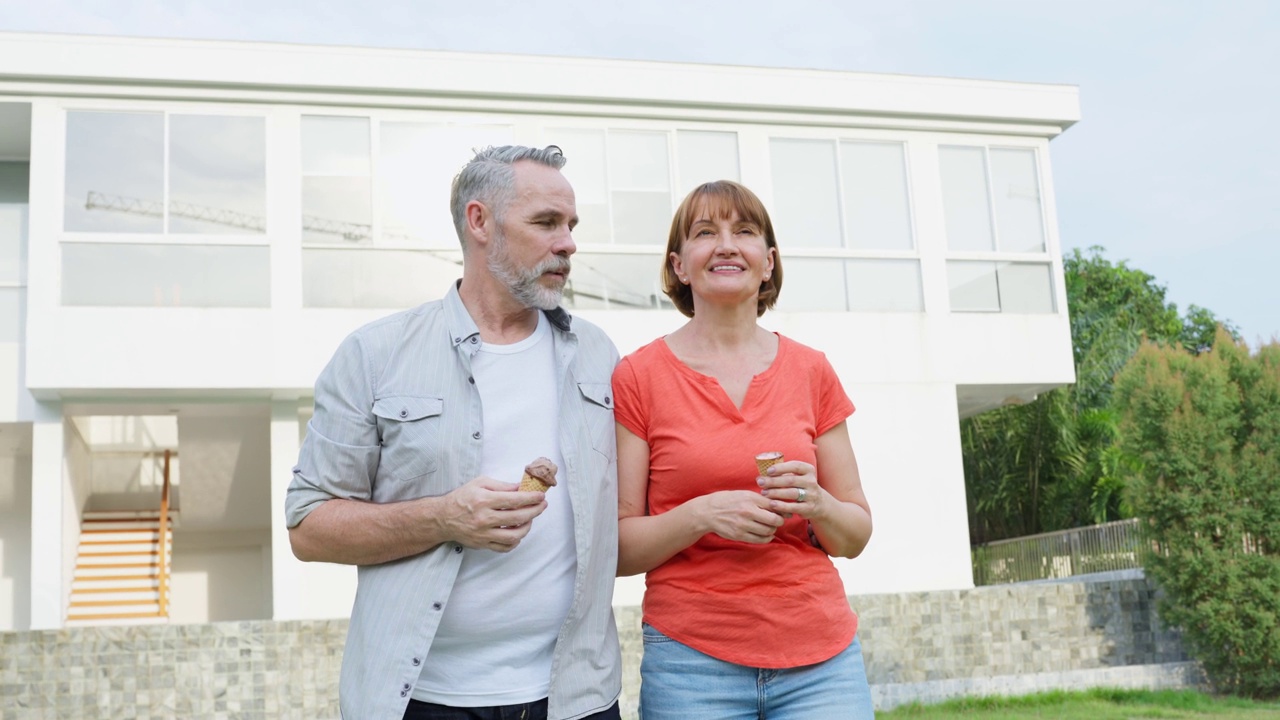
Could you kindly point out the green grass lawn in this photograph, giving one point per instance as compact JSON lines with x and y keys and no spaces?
{"x":1092,"y":705}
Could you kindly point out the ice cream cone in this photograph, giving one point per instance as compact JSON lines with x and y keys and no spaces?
{"x":539,"y":475}
{"x":766,"y":460}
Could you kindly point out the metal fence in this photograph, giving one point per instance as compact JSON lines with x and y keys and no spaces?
{"x":1047,"y":556}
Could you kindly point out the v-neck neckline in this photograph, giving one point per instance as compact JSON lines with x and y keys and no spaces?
{"x":720,"y":394}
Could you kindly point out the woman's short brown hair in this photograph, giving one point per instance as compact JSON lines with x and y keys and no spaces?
{"x":721,"y":199}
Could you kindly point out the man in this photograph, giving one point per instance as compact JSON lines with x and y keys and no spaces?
{"x":475,"y":599}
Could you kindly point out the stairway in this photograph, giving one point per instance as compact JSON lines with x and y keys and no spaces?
{"x":117,"y":577}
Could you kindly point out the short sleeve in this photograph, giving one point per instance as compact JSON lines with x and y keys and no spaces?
{"x":834,"y":406}
{"x":339,"y":457}
{"x":628,"y":406}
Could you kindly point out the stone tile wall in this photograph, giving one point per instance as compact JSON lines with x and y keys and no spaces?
{"x":927,"y":646}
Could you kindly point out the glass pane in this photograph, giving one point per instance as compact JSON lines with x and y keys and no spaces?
{"x":615,"y":281}
{"x":11,"y":307}
{"x":638,"y":161}
{"x":806,"y":210}
{"x":166,"y":275}
{"x":384,"y":279}
{"x":706,"y":156}
{"x":1026,"y":288}
{"x":641,"y":218}
{"x":217,"y":174}
{"x":593,"y":224}
{"x":416,"y":166}
{"x":964,"y":198}
{"x":14,"y":181}
{"x":883,"y":285}
{"x":335,"y":145}
{"x":1016,"y":186}
{"x":584,"y":166}
{"x":13,"y":242}
{"x":973,"y":286}
{"x":876,"y":209}
{"x":813,"y":284}
{"x":115,"y":172}
{"x":336,"y":210}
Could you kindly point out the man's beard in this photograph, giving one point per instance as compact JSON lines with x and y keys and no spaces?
{"x":523,"y":283}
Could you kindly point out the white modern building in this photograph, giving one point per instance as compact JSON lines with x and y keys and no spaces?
{"x":188,"y":229}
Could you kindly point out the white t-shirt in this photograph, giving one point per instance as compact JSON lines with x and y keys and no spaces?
{"x":499,"y":628}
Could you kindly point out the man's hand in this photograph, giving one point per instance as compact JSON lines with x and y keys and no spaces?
{"x":487,"y":514}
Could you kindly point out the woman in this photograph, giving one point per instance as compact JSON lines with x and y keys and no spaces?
{"x":744,"y":614}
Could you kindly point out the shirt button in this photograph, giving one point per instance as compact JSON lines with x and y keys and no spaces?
{"x":476,"y":435}
{"x":406,"y":687}
{"x":404,"y":693}
{"x":417,"y":662}
{"x":457,"y":548}
{"x":404,"y":413}
{"x":436,"y":606}
{"x":474,"y":339}
{"x":471,"y":380}
{"x":606,"y":399}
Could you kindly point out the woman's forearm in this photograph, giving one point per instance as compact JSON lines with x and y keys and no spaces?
{"x":647,"y":541}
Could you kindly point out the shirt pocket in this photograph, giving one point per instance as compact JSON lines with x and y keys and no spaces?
{"x":409,"y":430}
{"x":597,"y":412}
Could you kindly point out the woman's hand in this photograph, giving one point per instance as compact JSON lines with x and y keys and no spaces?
{"x":739,"y":515}
{"x":792,"y":489}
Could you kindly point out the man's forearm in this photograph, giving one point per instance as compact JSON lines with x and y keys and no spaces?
{"x":353,"y":532}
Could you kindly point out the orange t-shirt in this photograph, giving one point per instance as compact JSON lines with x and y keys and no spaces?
{"x":777,"y":605}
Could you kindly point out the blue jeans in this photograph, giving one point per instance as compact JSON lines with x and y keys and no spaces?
{"x":680,"y":683}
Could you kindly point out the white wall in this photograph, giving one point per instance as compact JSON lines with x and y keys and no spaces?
{"x":218,"y":577}
{"x":226,"y":468}
{"x":15,"y":527}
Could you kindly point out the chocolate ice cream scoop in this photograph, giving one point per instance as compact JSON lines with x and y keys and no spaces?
{"x":539,"y":475}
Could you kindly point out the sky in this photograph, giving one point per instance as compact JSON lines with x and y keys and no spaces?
{"x":1174,"y":166}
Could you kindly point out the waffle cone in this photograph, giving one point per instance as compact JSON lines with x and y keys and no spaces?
{"x":764,"y":461}
{"x":531,"y":483}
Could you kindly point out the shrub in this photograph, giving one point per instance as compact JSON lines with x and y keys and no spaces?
{"x":1205,"y":432}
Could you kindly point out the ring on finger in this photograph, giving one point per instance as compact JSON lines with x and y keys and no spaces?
{"x":800,"y":494}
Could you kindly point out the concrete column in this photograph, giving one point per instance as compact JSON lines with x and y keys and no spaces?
{"x":300,"y":591}
{"x":51,"y":508}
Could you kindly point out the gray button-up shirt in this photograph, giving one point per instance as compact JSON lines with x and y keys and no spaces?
{"x":398,"y":417}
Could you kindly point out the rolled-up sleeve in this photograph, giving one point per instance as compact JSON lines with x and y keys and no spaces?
{"x":339,"y":457}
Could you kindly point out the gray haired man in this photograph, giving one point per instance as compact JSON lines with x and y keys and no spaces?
{"x":475,"y":599}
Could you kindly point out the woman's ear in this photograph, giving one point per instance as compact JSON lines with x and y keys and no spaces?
{"x":678,"y":268}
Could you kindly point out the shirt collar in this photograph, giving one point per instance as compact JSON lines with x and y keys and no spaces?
{"x":462,"y":327}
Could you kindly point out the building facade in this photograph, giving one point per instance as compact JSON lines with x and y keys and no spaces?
{"x":188,"y":229}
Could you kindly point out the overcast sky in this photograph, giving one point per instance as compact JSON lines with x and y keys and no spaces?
{"x":1175,"y":165}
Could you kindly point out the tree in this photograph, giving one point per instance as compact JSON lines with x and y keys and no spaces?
{"x":1054,"y":463}
{"x":1204,"y":431}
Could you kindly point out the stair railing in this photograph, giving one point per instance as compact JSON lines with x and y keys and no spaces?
{"x":164,"y":542}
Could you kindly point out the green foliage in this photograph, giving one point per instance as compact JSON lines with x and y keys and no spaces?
{"x":1055,"y":463}
{"x":1095,"y":704}
{"x":1204,"y":431}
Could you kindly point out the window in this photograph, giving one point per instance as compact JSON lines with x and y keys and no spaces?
{"x":842,"y":213}
{"x":337,"y":200}
{"x":994,"y":220}
{"x":151,"y":172}
{"x":377,"y":230}
{"x":165,"y":275}
{"x":189,"y":191}
{"x":623,"y":181}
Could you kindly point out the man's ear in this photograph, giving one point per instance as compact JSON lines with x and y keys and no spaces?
{"x":479,"y":222}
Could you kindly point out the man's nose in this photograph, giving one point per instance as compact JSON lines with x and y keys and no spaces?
{"x":565,"y":244}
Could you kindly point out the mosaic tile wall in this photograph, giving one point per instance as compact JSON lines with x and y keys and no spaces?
{"x":917,"y":645}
